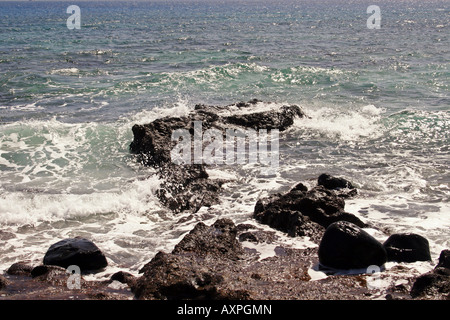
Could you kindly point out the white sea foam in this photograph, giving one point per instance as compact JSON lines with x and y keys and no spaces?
{"x":350,"y":124}
{"x":65,"y":71}
{"x":180,"y":108}
{"x":25,"y":107}
{"x":259,"y":106}
{"x":211,"y":76}
{"x":19,"y":208}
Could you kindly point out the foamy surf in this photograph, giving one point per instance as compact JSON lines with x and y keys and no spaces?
{"x":79,"y":179}
{"x":346,"y":125}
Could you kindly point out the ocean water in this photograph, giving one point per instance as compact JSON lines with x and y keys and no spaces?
{"x":378,"y":102}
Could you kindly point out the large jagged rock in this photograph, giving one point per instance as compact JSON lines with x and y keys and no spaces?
{"x":218,"y":241}
{"x":187,"y":187}
{"x":152,"y":141}
{"x":444,"y":259}
{"x":273,"y":119}
{"x":303,"y":212}
{"x":331,"y":182}
{"x":436,"y":283}
{"x":196,"y":268}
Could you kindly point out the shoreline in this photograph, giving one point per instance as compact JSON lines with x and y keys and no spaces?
{"x":217,"y":261}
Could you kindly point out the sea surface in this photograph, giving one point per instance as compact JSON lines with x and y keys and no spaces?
{"x":377,"y":99}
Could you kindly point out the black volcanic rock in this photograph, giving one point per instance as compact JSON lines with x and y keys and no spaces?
{"x":123,"y":277}
{"x":20,"y":268}
{"x":187,"y":187}
{"x":209,"y":263}
{"x":274,"y":119}
{"x":302,"y":212}
{"x":342,"y":187}
{"x":196,"y":267}
{"x":218,"y":240}
{"x":76,"y":251}
{"x":331,"y":182}
{"x":444,"y":259}
{"x":152,"y":141}
{"x":3,"y":282}
{"x":48,"y":272}
{"x":5,"y":235}
{"x":346,"y":246}
{"x":407,"y":247}
{"x":436,"y":283}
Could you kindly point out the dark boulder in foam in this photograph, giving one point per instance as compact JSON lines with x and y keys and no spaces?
{"x":76,"y":251}
{"x":3,"y":282}
{"x":342,"y":187}
{"x":407,"y":247}
{"x":303,"y":212}
{"x":331,"y":182}
{"x":346,"y":246}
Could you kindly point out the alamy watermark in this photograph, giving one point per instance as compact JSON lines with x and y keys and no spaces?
{"x":74,"y":21}
{"x":374,"y":21}
{"x":74,"y":280}
{"x":231,"y":146}
{"x":374,"y":282}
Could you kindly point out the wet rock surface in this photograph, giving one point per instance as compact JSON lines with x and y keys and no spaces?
{"x":3,"y":282}
{"x":436,"y":283}
{"x":219,"y":261}
{"x":21,"y":268}
{"x":303,"y":212}
{"x":346,"y":246}
{"x":210,"y":263}
{"x":187,"y":187}
{"x":444,"y":259}
{"x":214,"y":262}
{"x":407,"y":247}
{"x":76,"y":251}
{"x":49,"y":282}
{"x":196,"y":268}
{"x":279,"y":119}
{"x":342,"y":187}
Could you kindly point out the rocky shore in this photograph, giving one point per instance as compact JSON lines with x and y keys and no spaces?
{"x":215,"y":262}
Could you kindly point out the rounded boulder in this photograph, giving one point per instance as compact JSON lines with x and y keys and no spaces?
{"x":407,"y":247}
{"x":346,"y":246}
{"x":76,"y":251}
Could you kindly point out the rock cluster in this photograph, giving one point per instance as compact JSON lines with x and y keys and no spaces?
{"x":303,"y":212}
{"x":187,"y":187}
{"x":212,"y":262}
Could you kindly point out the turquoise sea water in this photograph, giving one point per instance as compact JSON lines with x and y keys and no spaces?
{"x":378,"y":101}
